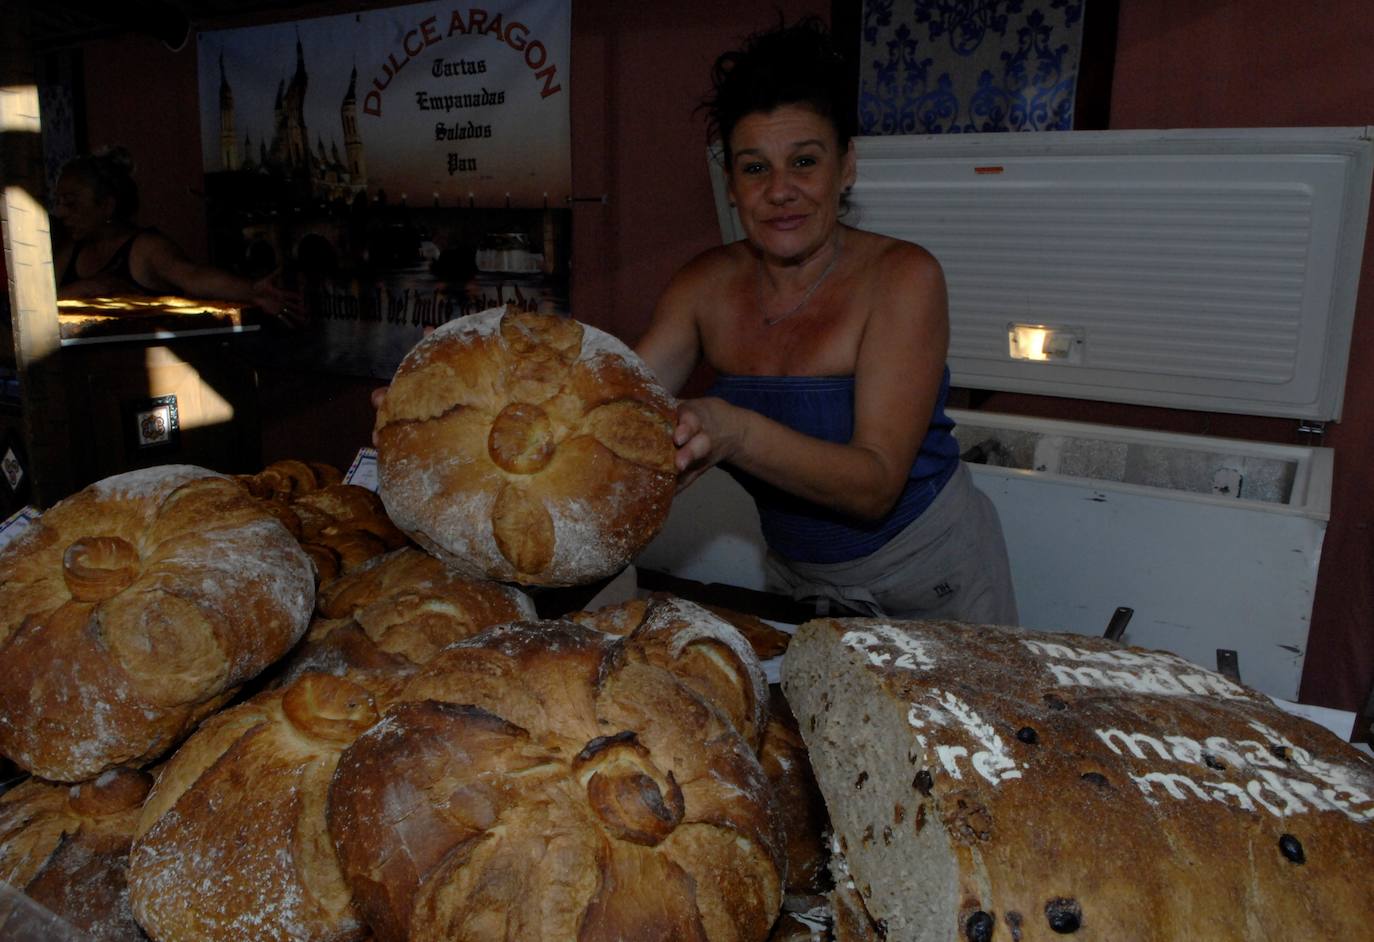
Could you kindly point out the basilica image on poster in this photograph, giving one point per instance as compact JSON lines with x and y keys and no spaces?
{"x":378,"y":178}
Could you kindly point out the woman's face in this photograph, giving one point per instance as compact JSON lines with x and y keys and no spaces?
{"x":787,"y":174}
{"x":77,"y":206}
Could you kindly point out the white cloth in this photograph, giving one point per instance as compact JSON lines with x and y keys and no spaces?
{"x":950,"y":562}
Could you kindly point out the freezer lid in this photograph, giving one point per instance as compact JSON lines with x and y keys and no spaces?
{"x":1199,"y":269}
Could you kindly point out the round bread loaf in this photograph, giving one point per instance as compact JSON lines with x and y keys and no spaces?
{"x":231,"y":844}
{"x":67,"y":849}
{"x":526,"y":448}
{"x":539,"y":782}
{"x":134,"y":608}
{"x":396,"y":612}
{"x":1040,"y":785}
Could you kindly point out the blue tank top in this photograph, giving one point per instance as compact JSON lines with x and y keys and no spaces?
{"x":823,"y":407}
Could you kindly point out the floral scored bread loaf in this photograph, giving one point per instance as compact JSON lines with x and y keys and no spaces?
{"x":706,"y":652}
{"x":526,"y":448}
{"x":538,"y":782}
{"x":395,"y":612}
{"x":993,"y":784}
{"x":231,"y":844}
{"x":135,"y":608}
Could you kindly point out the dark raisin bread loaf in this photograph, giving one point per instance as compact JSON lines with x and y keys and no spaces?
{"x":990,"y":784}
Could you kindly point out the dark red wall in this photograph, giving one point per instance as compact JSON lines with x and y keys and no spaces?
{"x":144,"y":98}
{"x":639,"y":70}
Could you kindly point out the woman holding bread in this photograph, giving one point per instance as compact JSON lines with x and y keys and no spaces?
{"x":829,"y":347}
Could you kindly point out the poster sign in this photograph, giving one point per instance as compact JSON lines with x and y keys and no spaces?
{"x":400,"y":167}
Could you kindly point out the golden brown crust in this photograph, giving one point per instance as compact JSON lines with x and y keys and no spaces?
{"x":339,"y":503}
{"x":623,"y":617}
{"x":708,"y":655}
{"x":133,"y":609}
{"x":540,"y":782}
{"x":397,"y":611}
{"x":526,"y":448}
{"x":232,"y":843}
{"x":619,"y":619}
{"x":806,"y":825}
{"x":326,"y":561}
{"x":766,"y":640}
{"x":67,"y":848}
{"x":1044,"y":783}
{"x":326,"y":474}
{"x":703,"y":649}
{"x":287,"y":479}
{"x":340,"y":526}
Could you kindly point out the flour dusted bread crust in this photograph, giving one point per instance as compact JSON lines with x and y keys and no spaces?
{"x":134,"y":608}
{"x":67,"y":849}
{"x":987,"y":783}
{"x":526,"y":448}
{"x":537,"y":782}
{"x":704,"y":650}
{"x":232,"y":842}
{"x":396,"y":612}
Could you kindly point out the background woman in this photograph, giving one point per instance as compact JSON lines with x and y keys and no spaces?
{"x":102,"y":251}
{"x":829,"y":343}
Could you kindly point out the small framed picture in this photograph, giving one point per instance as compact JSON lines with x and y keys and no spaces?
{"x":12,"y":469}
{"x":152,"y":423}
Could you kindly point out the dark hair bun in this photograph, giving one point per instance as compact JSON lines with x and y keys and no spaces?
{"x":787,"y":65}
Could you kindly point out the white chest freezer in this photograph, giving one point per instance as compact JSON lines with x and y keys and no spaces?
{"x":1211,"y":270}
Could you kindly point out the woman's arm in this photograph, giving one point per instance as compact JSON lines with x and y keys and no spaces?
{"x":899,"y":365}
{"x":160,"y":263}
{"x":672,"y":345}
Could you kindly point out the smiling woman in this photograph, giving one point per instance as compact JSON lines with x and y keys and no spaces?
{"x":829,"y":343}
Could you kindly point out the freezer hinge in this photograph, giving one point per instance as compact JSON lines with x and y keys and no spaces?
{"x":1311,"y":427}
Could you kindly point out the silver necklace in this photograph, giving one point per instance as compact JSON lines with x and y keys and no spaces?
{"x":778,"y":318}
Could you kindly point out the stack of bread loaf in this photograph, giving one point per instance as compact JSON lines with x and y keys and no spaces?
{"x":427,"y":760}
{"x":341,"y":526}
{"x":375,"y":627}
{"x":430,"y":763}
{"x":536,"y":780}
{"x":988,"y":783}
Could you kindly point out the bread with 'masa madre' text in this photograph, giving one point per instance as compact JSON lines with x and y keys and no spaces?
{"x":989,"y":783}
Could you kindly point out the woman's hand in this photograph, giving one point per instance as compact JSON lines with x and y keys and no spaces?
{"x":708,"y":432}
{"x":271,"y":297}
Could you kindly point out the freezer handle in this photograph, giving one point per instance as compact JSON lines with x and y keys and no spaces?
{"x":1117,"y":626}
{"x":1228,"y":664}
